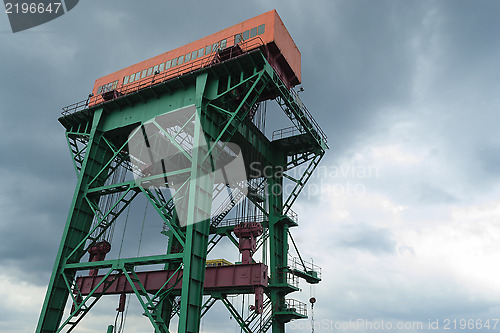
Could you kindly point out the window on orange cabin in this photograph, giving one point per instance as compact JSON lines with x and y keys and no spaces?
{"x":253,"y":32}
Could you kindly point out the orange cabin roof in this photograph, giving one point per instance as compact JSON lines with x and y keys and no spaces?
{"x":268,"y":27}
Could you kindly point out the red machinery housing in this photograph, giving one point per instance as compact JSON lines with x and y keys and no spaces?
{"x":248,"y":276}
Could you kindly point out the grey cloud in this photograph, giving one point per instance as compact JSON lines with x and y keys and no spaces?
{"x":488,"y":157}
{"x":359,"y":65}
{"x":364,"y":237}
{"x":432,"y":194}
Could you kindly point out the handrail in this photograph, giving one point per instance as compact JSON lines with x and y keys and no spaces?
{"x":305,"y":266}
{"x":308,"y":114}
{"x":191,"y":66}
{"x":286,"y":276}
{"x":286,"y":132}
{"x":229,"y":222}
{"x":296,"y":306}
{"x":292,"y":215}
{"x":294,"y":98}
{"x":169,"y":74}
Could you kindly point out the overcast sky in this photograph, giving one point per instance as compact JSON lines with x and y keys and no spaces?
{"x":404,"y":213}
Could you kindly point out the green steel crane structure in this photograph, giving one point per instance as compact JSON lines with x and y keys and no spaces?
{"x":203,"y":117}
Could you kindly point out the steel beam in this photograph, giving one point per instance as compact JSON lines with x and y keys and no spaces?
{"x":77,"y":227}
{"x":278,"y":246}
{"x":115,"y":263}
{"x":230,"y":279}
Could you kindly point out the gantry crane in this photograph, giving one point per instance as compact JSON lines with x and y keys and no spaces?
{"x":193,"y":145}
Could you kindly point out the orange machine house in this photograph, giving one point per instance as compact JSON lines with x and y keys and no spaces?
{"x":265,"y":31}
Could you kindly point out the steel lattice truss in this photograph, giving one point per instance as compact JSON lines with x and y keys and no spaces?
{"x":118,"y":150}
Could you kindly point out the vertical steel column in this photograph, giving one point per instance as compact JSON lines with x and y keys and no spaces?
{"x":278,"y":245}
{"x":198,"y":222}
{"x":77,"y":227}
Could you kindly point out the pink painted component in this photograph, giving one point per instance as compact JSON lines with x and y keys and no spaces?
{"x":121,"y":303}
{"x":230,"y":278}
{"x":98,"y":253}
{"x":259,"y":299}
{"x":247,"y":233}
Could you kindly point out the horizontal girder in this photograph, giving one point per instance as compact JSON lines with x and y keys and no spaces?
{"x":241,"y":278}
